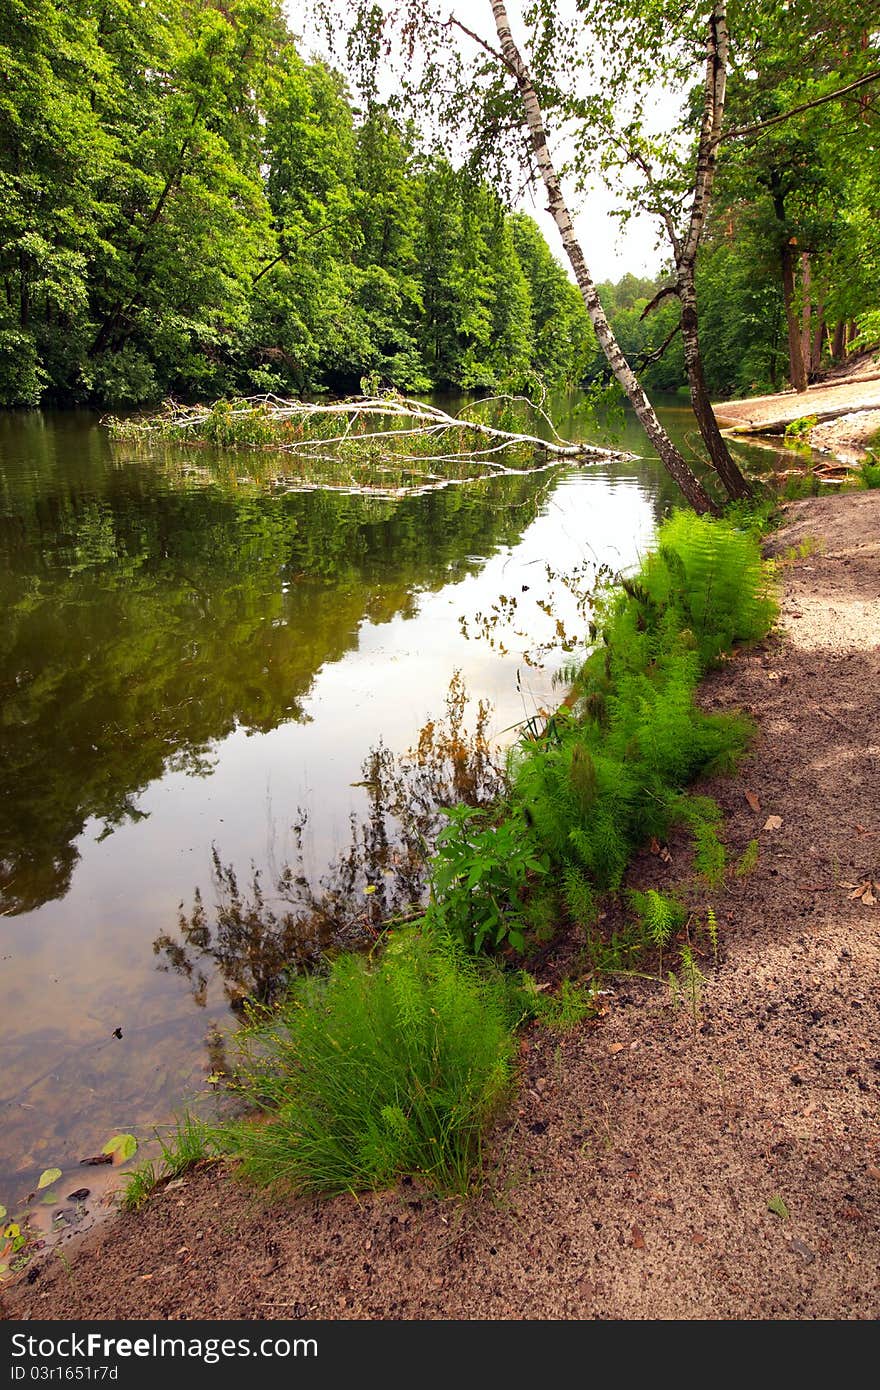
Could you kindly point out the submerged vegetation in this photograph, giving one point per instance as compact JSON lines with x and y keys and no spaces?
{"x":395,"y":1061}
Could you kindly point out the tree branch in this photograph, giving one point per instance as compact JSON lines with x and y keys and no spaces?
{"x":760,"y":126}
{"x":665,"y":293}
{"x":647,"y":358}
{"x":453,"y":23}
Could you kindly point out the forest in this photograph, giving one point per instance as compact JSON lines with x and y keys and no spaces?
{"x":191,"y":206}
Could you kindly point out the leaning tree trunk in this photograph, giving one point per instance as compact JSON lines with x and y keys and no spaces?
{"x":714,"y":92}
{"x":818,"y":336}
{"x":734,"y":482}
{"x":675,"y":465}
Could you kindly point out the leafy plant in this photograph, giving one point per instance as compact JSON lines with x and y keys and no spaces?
{"x":869,"y":472}
{"x":478,"y":873}
{"x":661,"y":916}
{"x":798,"y":431}
{"x":748,"y":860}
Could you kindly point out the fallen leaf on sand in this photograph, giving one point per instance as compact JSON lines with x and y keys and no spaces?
{"x":773,"y":823}
{"x":867,"y":891}
{"x":753,"y":801}
{"x":637,"y":1240}
{"x":615,"y":1048}
{"x":778,"y":1207}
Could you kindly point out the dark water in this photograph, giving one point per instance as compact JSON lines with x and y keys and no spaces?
{"x":186,"y":657}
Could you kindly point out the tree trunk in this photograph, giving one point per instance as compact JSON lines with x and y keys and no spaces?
{"x":806,"y":311}
{"x":734,"y":482}
{"x":675,"y":465}
{"x":797,"y":371}
{"x":715,"y":88}
{"x":818,"y":337}
{"x":838,"y":346}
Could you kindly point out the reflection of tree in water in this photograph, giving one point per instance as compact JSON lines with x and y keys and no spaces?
{"x":147,"y":615}
{"x":256,"y":947}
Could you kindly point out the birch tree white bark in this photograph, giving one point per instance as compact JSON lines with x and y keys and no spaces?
{"x":673,"y":461}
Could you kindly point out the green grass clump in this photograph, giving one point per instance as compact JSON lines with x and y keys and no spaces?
{"x":140,"y":1184}
{"x":869,"y":473}
{"x":190,"y":1143}
{"x":378,"y":1069}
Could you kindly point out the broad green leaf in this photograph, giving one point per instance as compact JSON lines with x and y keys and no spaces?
{"x":122,"y":1147}
{"x":47,"y":1178}
{"x":2,"y":1211}
{"x":778,"y":1207}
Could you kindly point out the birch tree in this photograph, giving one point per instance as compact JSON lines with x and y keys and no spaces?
{"x":590,"y":74}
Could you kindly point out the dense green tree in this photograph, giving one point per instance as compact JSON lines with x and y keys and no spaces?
{"x":190,"y":206}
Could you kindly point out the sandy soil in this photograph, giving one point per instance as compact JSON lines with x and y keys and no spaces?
{"x":633,"y":1177}
{"x":841,"y":398}
{"x":847,"y":438}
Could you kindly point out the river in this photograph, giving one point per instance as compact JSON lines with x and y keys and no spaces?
{"x":188,"y":657}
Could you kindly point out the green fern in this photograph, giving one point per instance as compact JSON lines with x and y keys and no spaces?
{"x":748,"y":860}
{"x":661,"y":916}
{"x":712,"y":929}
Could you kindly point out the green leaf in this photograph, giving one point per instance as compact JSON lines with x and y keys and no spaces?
{"x":47,"y":1178}
{"x":50,"y":1199}
{"x":2,"y":1211}
{"x":122,"y":1147}
{"x":778,"y":1207}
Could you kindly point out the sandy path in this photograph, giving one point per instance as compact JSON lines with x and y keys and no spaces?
{"x":770,"y":414}
{"x":634,"y":1175}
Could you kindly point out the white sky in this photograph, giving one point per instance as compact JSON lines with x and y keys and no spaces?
{"x":609,"y":252}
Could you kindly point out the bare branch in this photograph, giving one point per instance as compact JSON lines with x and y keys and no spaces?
{"x":652,"y":304}
{"x":646,"y":358}
{"x":453,"y":23}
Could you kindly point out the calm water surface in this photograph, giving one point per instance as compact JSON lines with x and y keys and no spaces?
{"x":186,"y":658}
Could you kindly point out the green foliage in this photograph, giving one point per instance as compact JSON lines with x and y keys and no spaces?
{"x":140,"y":1184}
{"x":189,"y":206}
{"x":748,"y":860}
{"x":869,"y":473}
{"x":710,"y":574}
{"x":612,"y":772}
{"x":478,"y":873}
{"x":191,"y":1142}
{"x":800,"y":429}
{"x":378,"y":1069}
{"x":661,"y":917}
{"x":559,"y":1011}
{"x":712,"y":931}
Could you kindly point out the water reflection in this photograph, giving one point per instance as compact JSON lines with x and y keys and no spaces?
{"x":188,"y":656}
{"x":144,"y":624}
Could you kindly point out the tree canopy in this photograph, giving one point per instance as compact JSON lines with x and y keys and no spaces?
{"x":190,"y":206}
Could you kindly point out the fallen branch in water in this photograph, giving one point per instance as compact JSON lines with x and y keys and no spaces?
{"x":389,"y":428}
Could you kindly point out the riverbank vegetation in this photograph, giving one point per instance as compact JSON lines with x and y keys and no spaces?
{"x":369,"y":1070}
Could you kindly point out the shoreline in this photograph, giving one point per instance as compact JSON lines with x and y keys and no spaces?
{"x":587,"y":1209}
{"x":846,"y":407}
